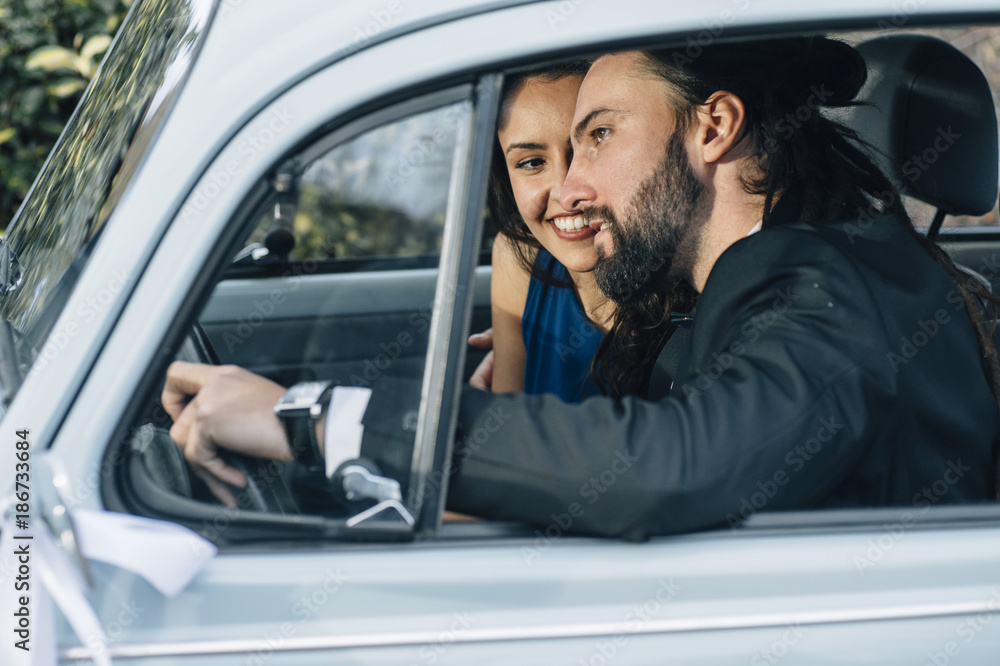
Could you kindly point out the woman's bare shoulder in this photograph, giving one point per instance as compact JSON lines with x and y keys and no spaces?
{"x":510,"y":276}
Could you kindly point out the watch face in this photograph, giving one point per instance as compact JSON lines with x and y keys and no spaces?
{"x":301,"y":396}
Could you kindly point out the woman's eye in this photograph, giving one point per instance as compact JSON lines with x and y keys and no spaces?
{"x":531,"y":163}
{"x":600,"y":134}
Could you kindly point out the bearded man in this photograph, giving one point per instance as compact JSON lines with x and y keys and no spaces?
{"x":786,"y":386}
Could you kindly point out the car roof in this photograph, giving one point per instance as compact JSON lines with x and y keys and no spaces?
{"x":262,"y":45}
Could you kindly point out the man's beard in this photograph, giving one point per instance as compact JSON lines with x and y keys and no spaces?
{"x":657,"y":238}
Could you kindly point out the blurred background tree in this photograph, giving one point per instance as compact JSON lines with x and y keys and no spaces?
{"x":49,"y":51}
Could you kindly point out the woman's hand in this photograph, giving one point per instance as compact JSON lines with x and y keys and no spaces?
{"x":482,"y":378}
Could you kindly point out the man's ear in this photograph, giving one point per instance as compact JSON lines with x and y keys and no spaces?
{"x":720,"y":125}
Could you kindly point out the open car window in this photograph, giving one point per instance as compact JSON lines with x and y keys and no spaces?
{"x":379,"y":189}
{"x":378,"y":197}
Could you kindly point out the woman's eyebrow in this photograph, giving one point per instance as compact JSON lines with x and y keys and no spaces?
{"x":526,"y":146}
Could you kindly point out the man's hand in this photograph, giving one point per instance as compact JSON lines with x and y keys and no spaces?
{"x":482,"y":378}
{"x":223,"y":406}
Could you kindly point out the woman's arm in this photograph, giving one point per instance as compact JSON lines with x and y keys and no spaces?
{"x":508,"y":295}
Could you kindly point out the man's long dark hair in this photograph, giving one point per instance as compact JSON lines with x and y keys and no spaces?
{"x":823,"y":162}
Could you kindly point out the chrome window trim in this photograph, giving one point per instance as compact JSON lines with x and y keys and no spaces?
{"x":457,"y":275}
{"x":563,"y":631}
{"x":442,"y":318}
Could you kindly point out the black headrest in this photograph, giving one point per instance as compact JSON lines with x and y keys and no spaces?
{"x":932,"y":117}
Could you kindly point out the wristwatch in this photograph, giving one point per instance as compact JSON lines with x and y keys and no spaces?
{"x":299,"y":409}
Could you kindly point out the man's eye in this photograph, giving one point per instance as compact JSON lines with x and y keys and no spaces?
{"x":600,"y":134}
{"x":531,"y":163}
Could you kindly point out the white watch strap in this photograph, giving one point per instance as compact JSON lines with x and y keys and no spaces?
{"x":342,"y":439}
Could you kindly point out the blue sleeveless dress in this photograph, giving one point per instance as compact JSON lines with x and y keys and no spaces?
{"x":559,"y":338}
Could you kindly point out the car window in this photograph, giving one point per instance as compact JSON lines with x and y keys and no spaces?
{"x":378,"y":189}
{"x":381,"y":195}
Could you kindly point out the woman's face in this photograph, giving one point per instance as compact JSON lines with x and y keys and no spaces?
{"x":535,"y":142}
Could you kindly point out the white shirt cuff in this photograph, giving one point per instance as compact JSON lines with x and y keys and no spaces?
{"x":342,"y":439}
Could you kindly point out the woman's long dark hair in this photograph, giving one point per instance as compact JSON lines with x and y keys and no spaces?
{"x":782,"y":84}
{"x":627,"y":354}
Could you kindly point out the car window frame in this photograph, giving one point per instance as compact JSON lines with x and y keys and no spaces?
{"x":445,"y":343}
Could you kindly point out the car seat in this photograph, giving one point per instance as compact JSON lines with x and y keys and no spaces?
{"x":929,"y":113}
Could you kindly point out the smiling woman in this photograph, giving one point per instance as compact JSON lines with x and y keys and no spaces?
{"x":548,"y":313}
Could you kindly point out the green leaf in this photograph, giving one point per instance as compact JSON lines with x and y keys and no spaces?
{"x":51,"y":58}
{"x":66,"y":88}
{"x":7,"y":134}
{"x":95,"y":45}
{"x":55,"y":129}
{"x":32,"y":99}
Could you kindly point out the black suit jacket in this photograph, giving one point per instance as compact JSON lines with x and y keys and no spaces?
{"x":830,"y":365}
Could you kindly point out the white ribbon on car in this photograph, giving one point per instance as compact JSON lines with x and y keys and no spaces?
{"x":167,"y":555}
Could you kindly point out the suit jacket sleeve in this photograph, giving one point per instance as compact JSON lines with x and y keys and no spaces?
{"x":774,"y":409}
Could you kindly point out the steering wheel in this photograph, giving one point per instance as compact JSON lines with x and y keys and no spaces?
{"x":265,"y":490}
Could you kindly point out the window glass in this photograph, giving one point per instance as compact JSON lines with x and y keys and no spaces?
{"x":382,"y":194}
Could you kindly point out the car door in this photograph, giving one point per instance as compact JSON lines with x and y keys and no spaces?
{"x":892,"y":586}
{"x":421,"y":304}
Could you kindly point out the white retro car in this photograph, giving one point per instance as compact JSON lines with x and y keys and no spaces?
{"x":298,"y":188}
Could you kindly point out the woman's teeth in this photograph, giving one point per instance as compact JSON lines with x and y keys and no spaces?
{"x":569,"y":223}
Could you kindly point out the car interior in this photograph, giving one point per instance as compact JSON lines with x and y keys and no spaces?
{"x":336,"y":276}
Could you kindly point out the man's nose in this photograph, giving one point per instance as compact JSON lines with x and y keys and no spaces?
{"x":577,"y":192}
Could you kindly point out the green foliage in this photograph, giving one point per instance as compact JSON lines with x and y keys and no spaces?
{"x":49,"y":51}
